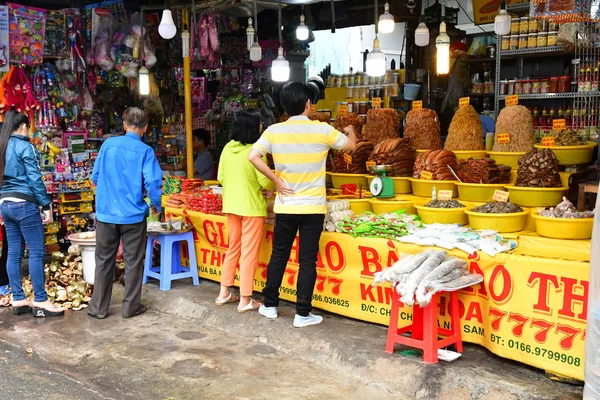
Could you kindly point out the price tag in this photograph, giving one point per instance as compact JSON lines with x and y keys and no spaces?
{"x":371,"y":164}
{"x":503,"y":138}
{"x":548,"y":141}
{"x":426,"y":175}
{"x":444,"y":195}
{"x":464,"y":101}
{"x":500,"y":195}
{"x":348,"y":158}
{"x":343,"y":109}
{"x":417,"y":105}
{"x":512,"y":100}
{"x":559,"y":124}
{"x":376,"y":102}
{"x":313,"y":108}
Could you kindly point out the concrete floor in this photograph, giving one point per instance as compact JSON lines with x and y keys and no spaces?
{"x":185,"y":347}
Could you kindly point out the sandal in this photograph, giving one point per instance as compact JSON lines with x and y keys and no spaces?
{"x":43,"y":312}
{"x":231,"y":299}
{"x":253,"y":305}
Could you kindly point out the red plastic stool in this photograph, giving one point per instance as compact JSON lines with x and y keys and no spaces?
{"x":424,"y":329}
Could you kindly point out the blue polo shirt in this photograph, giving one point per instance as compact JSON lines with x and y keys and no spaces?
{"x":124,"y":169}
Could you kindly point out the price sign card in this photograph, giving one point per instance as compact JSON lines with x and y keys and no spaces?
{"x":417,"y":105}
{"x":559,"y":124}
{"x":464,"y":101}
{"x":512,"y":100}
{"x":313,"y":108}
{"x":548,"y":141}
{"x":348,"y":158}
{"x":427,"y":175}
{"x":343,"y":108}
{"x":371,"y":164}
{"x":376,"y":102}
{"x":503,"y":138}
{"x":444,"y":195}
{"x":500,"y":195}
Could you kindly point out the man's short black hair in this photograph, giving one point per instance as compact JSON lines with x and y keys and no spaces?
{"x":293,"y":98}
{"x":202,"y":134}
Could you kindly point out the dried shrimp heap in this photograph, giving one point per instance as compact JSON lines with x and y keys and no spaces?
{"x":382,"y":123}
{"x":565,"y":137}
{"x":359,"y":159}
{"x":423,"y":129}
{"x":436,"y":162}
{"x":465,"y":131}
{"x":498,"y":207}
{"x":538,"y":168}
{"x":444,"y":204}
{"x":347,"y":119}
{"x":483,"y":170}
{"x":398,"y":153}
{"x":516,"y":121}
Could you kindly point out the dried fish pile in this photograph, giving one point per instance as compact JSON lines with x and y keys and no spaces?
{"x":444,"y":204}
{"x":418,"y":277}
{"x":436,"y":162}
{"x":498,"y":207}
{"x":346,"y":119}
{"x":483,"y":170}
{"x":422,"y":128}
{"x":320,"y":116}
{"x":359,"y":159}
{"x":565,"y":209}
{"x":382,"y":123}
{"x":398,"y":153}
{"x":516,"y":121}
{"x":465,"y":131}
{"x":538,"y":168}
{"x":565,"y":137}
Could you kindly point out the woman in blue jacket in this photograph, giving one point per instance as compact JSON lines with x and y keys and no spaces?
{"x":23,"y":195}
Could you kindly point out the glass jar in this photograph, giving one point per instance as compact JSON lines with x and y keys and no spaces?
{"x":350,"y":106}
{"x":533,"y":25}
{"x":505,"y":42}
{"x":351,"y":80}
{"x":363,"y":107}
{"x":564,"y":84}
{"x":552,"y":38}
{"x":514,"y":26}
{"x":389,"y":76}
{"x":532,"y":41}
{"x":344,"y":80}
{"x":527,"y":87}
{"x":542,"y":25}
{"x":503,"y":87}
{"x":553,"y":85}
{"x":396,"y":77}
{"x":363,"y":92}
{"x":552,"y":27}
{"x":542,"y":39}
{"x":360,"y":79}
{"x":337,"y":81}
{"x":545,"y":86}
{"x":330,"y":80}
{"x":522,"y":41}
{"x":518,"y":87}
{"x":511,"y":87}
{"x":536,"y":86}
{"x":349,"y":92}
{"x":514,"y":42}
{"x":524,"y":25}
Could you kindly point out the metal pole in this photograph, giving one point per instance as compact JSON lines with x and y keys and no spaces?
{"x":187,"y":89}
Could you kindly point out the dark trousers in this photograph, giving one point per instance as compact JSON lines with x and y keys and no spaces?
{"x":108,"y":237}
{"x":310,"y":227}
{"x":3,"y":273}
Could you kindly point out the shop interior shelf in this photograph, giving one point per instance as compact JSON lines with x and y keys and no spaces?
{"x":534,"y":52}
{"x":518,"y":7}
{"x":569,"y":95}
{"x":481,"y":95}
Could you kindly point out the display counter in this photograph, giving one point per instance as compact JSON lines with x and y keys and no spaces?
{"x":531,"y":306}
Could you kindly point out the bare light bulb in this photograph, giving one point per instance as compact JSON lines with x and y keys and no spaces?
{"x":167,"y":28}
{"x":386,"y":21}
{"x":302,"y":30}
{"x":442,"y":43}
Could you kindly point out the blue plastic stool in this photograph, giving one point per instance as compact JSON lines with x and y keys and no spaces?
{"x":170,"y":259}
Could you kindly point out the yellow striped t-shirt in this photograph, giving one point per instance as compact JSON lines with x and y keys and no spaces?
{"x":299,"y":148}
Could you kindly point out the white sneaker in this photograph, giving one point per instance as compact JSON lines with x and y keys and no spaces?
{"x":301,"y":322}
{"x":268,"y":312}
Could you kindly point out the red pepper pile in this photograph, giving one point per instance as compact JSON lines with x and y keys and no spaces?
{"x":204,"y":201}
{"x":191,"y":185}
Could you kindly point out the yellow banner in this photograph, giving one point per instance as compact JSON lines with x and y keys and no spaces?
{"x":484,"y":11}
{"x":528,"y":309}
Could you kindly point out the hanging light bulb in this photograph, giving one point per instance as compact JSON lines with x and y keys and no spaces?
{"x":167,"y":28}
{"x":280,"y":68}
{"x":255,"y":52}
{"x":422,"y":35}
{"x":249,"y":34}
{"x":502,"y":21}
{"x":386,"y":21}
{"x":376,"y":60}
{"x":144,"y":81}
{"x":442,"y":42}
{"x":302,"y":30}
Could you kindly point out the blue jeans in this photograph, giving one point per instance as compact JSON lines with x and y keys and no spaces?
{"x":24,"y":225}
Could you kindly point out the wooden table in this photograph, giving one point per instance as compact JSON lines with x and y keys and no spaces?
{"x":586,"y":187}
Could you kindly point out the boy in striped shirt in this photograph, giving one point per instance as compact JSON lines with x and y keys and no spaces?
{"x":299,"y":148}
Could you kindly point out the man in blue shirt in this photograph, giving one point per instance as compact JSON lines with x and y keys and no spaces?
{"x":204,"y":166}
{"x":124,"y":169}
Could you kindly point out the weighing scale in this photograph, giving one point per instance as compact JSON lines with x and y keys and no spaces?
{"x":382,"y":186}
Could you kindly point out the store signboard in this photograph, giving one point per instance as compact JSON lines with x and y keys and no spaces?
{"x":529,"y":309}
{"x":484,"y":11}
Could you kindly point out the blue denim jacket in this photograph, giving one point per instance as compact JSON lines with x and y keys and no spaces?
{"x":124,"y":168}
{"x":22,"y":176}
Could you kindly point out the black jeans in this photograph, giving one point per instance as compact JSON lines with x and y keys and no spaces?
{"x":286,"y":227}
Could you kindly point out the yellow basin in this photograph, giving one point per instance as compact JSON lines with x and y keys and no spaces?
{"x":341,"y":179}
{"x":564,"y":228}
{"x":507,"y":158}
{"x":536,"y":197}
{"x":481,"y":192}
{"x":386,"y":206}
{"x":431,"y":215}
{"x":359,"y":206}
{"x":422,"y":187}
{"x":510,"y":222}
{"x":401,"y":184}
{"x":572,"y":155}
{"x":466,"y":154}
